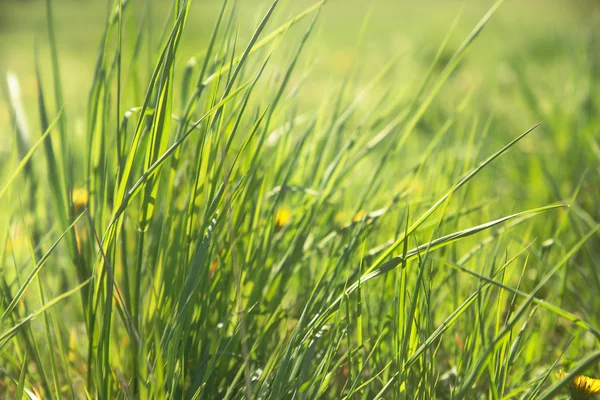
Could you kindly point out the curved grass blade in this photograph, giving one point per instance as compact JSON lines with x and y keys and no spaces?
{"x":449,"y":193}
{"x":6,"y":336}
{"x":266,"y":40}
{"x":436,"y":244}
{"x":475,"y":371}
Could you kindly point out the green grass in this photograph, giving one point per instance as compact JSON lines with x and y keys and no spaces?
{"x":294,"y":200}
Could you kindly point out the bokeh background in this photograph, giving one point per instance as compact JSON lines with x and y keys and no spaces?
{"x":551,"y":34}
{"x":536,"y":61}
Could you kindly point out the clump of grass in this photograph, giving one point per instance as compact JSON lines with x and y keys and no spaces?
{"x":192,"y":246}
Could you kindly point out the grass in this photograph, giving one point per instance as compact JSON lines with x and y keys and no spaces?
{"x":214,"y":214}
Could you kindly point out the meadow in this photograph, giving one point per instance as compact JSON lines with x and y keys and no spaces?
{"x":299,"y":199}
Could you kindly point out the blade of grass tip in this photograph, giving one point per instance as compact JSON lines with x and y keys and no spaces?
{"x":121,"y":187}
{"x":30,"y":394}
{"x":567,"y":257}
{"x":473,"y":251}
{"x":249,"y":47}
{"x":452,"y":190}
{"x":266,"y":40}
{"x":450,"y":66}
{"x":27,"y":156}
{"x":191,"y":103}
{"x":542,"y":303}
{"x":531,"y":295}
{"x":290,"y":69}
{"x":209,"y":50}
{"x":443,"y":327}
{"x":438,"y":243}
{"x":413,"y":121}
{"x":135,"y":188}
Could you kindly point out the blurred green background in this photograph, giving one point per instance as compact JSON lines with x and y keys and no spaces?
{"x":536,"y":61}
{"x":550,"y":33}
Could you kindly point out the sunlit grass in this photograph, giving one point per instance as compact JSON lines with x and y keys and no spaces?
{"x":218,"y":235}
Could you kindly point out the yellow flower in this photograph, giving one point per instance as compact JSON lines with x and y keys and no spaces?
{"x":581,"y":387}
{"x":360,"y":215}
{"x":80,"y":199}
{"x":283,"y":217}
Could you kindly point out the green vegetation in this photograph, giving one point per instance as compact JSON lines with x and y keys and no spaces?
{"x":195,"y":205}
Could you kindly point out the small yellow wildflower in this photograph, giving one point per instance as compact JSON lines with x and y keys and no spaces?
{"x":283,"y":217}
{"x":360,"y":215}
{"x":581,"y":387}
{"x":80,"y":199}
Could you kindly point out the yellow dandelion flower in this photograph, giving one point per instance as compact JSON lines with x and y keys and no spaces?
{"x":360,"y":215}
{"x":581,"y":386}
{"x":283,"y":217}
{"x":80,"y":199}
